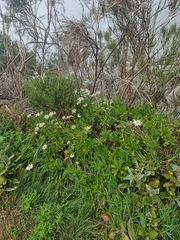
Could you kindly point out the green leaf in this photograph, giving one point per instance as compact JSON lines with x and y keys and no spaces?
{"x":11,"y":189}
{"x":18,"y":158}
{"x":152,"y":191}
{"x":141,"y":232}
{"x":175,"y":167}
{"x":18,"y":166}
{"x":3,"y":180}
{"x":130,"y":231}
{"x":178,"y":202}
{"x":152,"y":234}
{"x":143,"y":221}
{"x":125,"y":237}
{"x":155,"y":183}
{"x":2,"y":171}
{"x":11,"y":157}
{"x":15,"y":181}
{"x":1,"y":139}
{"x":167,"y":184}
{"x":170,"y":176}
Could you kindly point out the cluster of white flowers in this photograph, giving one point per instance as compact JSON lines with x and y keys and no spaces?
{"x":80,"y":99}
{"x":95,"y":94}
{"x":39,"y":114}
{"x":67,"y":117}
{"x":85,"y":92}
{"x":51,"y":114}
{"x":38,"y":126}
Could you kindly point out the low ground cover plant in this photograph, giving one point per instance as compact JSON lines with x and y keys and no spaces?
{"x":101,"y":170}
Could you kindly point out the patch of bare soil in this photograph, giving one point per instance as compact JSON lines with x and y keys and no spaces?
{"x":14,"y":224}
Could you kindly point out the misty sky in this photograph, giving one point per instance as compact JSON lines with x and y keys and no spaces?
{"x":72,"y":7}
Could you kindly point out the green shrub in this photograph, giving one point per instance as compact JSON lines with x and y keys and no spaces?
{"x":29,"y":200}
{"x":49,"y":221}
{"x":51,"y":93}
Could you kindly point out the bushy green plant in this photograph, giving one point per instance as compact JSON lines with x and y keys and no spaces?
{"x":51,"y":93}
{"x":29,"y":200}
{"x":49,"y":221}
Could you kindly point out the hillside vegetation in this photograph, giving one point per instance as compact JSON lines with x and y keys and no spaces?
{"x":91,"y":168}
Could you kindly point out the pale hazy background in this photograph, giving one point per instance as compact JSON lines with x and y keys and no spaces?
{"x":73,"y":8}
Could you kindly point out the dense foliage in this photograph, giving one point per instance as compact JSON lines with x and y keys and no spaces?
{"x":52,"y":92}
{"x":100,"y":171}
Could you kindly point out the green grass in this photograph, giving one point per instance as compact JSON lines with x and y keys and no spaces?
{"x":104,"y":179}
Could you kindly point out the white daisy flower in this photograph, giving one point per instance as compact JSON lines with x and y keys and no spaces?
{"x":29,"y":167}
{"x":137,"y":123}
{"x":44,"y":147}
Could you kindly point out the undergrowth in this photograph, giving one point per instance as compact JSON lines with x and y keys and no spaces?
{"x":102,"y":170}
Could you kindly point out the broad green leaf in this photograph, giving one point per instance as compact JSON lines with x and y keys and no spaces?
{"x":2,"y":171}
{"x":167,"y":184}
{"x":175,"y":167}
{"x":15,"y":181}
{"x":143,"y":221}
{"x":3,"y":180}
{"x":141,"y":232}
{"x":170,"y":176}
{"x":1,"y":139}
{"x":155,"y":183}
{"x":152,"y":234}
